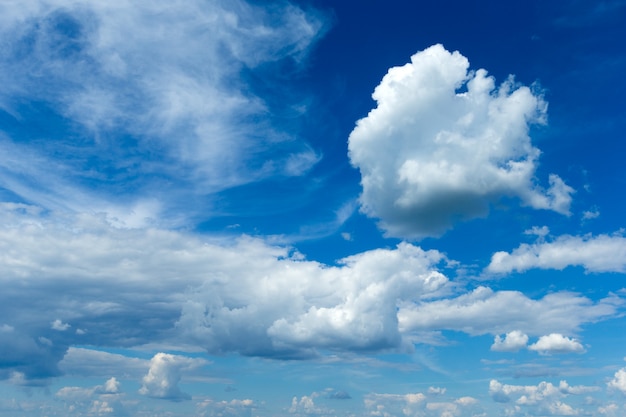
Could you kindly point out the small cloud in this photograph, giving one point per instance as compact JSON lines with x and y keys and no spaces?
{"x":164,"y":374}
{"x":339,"y":395}
{"x":466,"y":401}
{"x":556,"y":343}
{"x":5,"y":328}
{"x":346,"y":236}
{"x":59,"y":325}
{"x":112,"y":386}
{"x":538,"y":231}
{"x":436,"y":391}
{"x":45,"y":341}
{"x":591,"y":214}
{"x":512,"y":342}
{"x":300,"y":163}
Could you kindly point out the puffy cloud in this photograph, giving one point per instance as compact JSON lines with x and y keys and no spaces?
{"x":512,"y":342}
{"x":157,"y":98}
{"x":111,"y":386}
{"x":59,"y":325}
{"x":556,"y":343}
{"x":444,"y":142}
{"x":619,"y":381}
{"x":602,"y":253}
{"x":165,"y":372}
{"x":239,"y":296}
{"x":306,"y":406}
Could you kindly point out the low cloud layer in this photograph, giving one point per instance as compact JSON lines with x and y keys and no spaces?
{"x":99,"y":285}
{"x":444,"y":142}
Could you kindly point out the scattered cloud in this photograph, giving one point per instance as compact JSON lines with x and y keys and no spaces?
{"x":419,"y":404}
{"x":159,"y":98}
{"x":541,"y":399}
{"x":443,"y":143}
{"x":602,"y":253}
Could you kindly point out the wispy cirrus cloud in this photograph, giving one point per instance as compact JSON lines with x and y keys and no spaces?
{"x":146,"y":99}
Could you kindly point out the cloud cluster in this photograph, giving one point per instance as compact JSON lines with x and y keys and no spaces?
{"x":419,"y":404}
{"x":443,"y":143}
{"x":547,"y":344}
{"x":104,"y":399}
{"x":148,"y":99}
{"x":244,"y":296}
{"x":541,"y":399}
{"x":602,"y":253}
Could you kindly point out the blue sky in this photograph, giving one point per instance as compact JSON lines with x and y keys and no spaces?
{"x":312,"y":208}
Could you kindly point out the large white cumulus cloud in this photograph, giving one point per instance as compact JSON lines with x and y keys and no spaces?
{"x":444,"y":142}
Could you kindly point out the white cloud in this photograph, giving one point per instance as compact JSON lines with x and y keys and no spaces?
{"x":512,"y":342}
{"x":467,"y":401}
{"x":155,"y":93}
{"x":556,"y":343}
{"x":164,"y":375}
{"x":619,"y":381}
{"x":419,"y":404}
{"x":111,"y":386}
{"x":59,"y":325}
{"x":484,"y":311}
{"x":431,"y":153}
{"x":540,"y":399}
{"x":239,"y":296}
{"x":602,"y":253}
